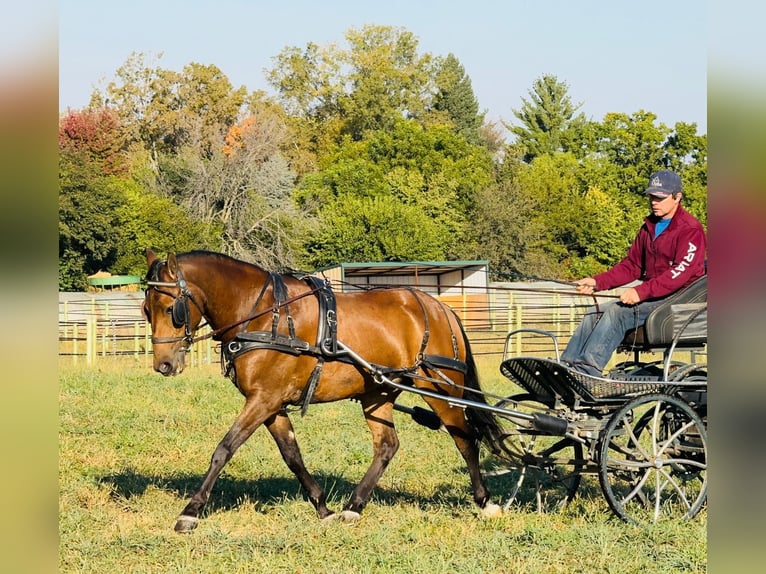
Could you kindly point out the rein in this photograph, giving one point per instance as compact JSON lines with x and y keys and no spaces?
{"x":188,"y":336}
{"x":256,"y":315}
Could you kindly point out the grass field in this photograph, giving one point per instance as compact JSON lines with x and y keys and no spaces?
{"x":133,"y":446}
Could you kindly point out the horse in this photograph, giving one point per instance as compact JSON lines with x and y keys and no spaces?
{"x":267,"y":323}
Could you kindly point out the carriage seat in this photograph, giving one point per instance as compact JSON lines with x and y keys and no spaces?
{"x":664,"y":322}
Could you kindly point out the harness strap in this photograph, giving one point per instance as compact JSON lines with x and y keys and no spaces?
{"x":327,"y":327}
{"x":438,"y":361}
{"x":265,"y":287}
{"x":308,"y":391}
{"x":327,"y":347}
{"x":426,"y":330}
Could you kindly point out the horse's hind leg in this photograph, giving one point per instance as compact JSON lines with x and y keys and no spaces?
{"x":281,"y":430}
{"x":251,"y":417}
{"x":453,"y":419}
{"x":379,"y":416}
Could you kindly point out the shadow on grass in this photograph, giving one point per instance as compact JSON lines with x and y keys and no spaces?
{"x":269,"y":492}
{"x":231,"y":493}
{"x":537,"y":487}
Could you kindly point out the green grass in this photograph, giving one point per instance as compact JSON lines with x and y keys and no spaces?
{"x":134,"y":447}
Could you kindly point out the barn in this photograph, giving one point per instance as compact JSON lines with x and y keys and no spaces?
{"x":463,"y":285}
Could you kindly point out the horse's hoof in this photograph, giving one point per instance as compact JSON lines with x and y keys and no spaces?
{"x":186,"y":524}
{"x":332,"y":517}
{"x":491,"y":510}
{"x":349,"y":517}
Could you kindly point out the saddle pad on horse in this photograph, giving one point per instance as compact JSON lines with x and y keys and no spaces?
{"x":550,"y":380}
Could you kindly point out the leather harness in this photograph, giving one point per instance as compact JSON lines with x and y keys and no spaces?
{"x":326,"y":345}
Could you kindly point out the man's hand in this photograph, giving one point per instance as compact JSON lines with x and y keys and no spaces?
{"x":586,"y":286}
{"x":630,"y":296}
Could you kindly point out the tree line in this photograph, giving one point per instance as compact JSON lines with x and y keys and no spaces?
{"x":366,"y":151}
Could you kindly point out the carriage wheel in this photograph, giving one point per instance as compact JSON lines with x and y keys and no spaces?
{"x":652,"y":460}
{"x":549,"y":464}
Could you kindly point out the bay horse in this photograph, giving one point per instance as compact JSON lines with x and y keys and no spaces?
{"x":293,"y":341}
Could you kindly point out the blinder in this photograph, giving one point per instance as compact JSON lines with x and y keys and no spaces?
{"x":180,"y":311}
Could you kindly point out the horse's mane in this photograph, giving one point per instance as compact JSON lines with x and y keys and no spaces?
{"x":154,"y":271}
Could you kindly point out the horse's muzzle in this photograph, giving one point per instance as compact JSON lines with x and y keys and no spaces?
{"x":167,"y":369}
{"x":170,"y":366}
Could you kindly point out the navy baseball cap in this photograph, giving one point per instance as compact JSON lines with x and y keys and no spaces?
{"x":664,"y":183}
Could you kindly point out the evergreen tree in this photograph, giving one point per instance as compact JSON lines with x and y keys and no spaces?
{"x":548,"y":120}
{"x":455,"y":96}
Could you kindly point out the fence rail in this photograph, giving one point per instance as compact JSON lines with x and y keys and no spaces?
{"x":92,"y":327}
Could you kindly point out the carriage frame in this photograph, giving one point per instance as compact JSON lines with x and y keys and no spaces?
{"x":642,"y":429}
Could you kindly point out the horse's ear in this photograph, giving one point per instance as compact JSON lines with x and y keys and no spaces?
{"x":172,"y":265}
{"x":151,"y":257}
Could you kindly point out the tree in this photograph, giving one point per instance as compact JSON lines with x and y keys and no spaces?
{"x":91,"y":158}
{"x":164,"y":109}
{"x":93,"y":137}
{"x":548,"y":120}
{"x":377,"y":79}
{"x":243,"y":189}
{"x":380,"y":228}
{"x":88,"y":229}
{"x":146,"y":220}
{"x":456,"y":98}
{"x":431,"y":173}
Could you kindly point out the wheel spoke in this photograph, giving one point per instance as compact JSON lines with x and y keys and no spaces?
{"x":656,"y":467}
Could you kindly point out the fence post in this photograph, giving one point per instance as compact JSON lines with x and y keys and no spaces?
{"x":90,"y":340}
{"x":75,"y":342}
{"x":571,"y":318}
{"x":518,"y":325}
{"x":510,"y":312}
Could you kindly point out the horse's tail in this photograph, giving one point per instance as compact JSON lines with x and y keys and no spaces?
{"x":483,"y":422}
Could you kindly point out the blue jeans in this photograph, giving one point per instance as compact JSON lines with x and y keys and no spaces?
{"x":600,"y":333}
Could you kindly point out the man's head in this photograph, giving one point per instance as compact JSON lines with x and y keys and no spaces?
{"x":664,"y":193}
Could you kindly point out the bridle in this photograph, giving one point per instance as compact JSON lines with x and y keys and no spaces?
{"x":179,"y":312}
{"x":180,"y":315}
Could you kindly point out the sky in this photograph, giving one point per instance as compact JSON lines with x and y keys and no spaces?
{"x":614,"y":55}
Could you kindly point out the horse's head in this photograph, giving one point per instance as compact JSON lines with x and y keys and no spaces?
{"x":172,"y":309}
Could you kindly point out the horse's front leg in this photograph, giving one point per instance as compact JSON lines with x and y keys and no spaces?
{"x":281,"y":430}
{"x":251,"y":417}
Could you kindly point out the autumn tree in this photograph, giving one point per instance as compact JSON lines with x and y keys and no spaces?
{"x":243,"y":189}
{"x":91,"y":158}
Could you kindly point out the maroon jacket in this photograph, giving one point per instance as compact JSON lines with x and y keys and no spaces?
{"x":665,"y":264}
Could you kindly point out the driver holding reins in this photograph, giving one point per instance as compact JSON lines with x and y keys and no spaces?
{"x":667,"y":255}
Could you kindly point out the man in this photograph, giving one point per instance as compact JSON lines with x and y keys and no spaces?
{"x":667,"y":255}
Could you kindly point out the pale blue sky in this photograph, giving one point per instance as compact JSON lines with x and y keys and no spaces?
{"x":615,"y":55}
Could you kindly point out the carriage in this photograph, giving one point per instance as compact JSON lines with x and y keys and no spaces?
{"x":642,"y":429}
{"x":292,"y":341}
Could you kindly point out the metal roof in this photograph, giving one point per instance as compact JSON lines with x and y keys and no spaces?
{"x":399,"y":268}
